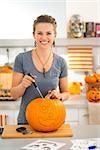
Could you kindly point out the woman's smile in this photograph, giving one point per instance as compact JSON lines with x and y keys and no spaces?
{"x":44,"y":42}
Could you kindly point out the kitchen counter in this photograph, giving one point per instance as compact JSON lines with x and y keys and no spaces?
{"x":74,"y":101}
{"x":80,"y":132}
{"x":76,"y":104}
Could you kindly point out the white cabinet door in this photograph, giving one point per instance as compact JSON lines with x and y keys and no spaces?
{"x":15,"y":116}
{"x":77,"y":116}
{"x":9,"y":116}
{"x":71,"y":116}
{"x":83,"y":116}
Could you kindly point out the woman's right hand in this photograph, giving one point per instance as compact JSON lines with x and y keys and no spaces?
{"x":27,"y":81}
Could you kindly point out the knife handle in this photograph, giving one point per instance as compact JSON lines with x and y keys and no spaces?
{"x":34,"y":83}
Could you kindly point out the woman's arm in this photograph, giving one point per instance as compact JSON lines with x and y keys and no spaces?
{"x":63,"y":87}
{"x":19,"y":84}
{"x":63,"y":93}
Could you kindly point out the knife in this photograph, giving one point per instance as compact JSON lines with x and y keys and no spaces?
{"x":36,"y":86}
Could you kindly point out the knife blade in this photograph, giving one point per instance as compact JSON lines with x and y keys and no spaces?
{"x":36,"y":86}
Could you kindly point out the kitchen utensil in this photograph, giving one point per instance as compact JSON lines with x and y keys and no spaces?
{"x":8,"y":63}
{"x":23,"y":130}
{"x":36,"y":86}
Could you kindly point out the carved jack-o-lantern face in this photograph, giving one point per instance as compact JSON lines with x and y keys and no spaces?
{"x":76,"y":26}
{"x":91,"y":95}
{"x":97,"y":96}
{"x":45,"y":114}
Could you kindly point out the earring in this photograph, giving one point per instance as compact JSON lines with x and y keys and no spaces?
{"x":35,"y":44}
{"x":53,"y":43}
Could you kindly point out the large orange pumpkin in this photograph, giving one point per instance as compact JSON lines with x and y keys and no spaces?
{"x":45,"y":114}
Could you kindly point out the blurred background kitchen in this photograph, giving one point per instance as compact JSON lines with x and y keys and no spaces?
{"x":81,"y":49}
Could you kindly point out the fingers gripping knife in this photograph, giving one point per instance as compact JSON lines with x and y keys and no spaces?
{"x":36,"y":86}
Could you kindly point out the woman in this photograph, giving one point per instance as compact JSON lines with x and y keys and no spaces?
{"x":48,"y":70}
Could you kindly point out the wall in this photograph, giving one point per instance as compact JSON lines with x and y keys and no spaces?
{"x":17,"y":16}
{"x":90,"y":11}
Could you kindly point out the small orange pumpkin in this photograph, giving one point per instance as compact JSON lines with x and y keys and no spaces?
{"x":6,"y":69}
{"x":97,"y":76}
{"x":91,"y":95}
{"x":90,"y":79}
{"x":45,"y":114}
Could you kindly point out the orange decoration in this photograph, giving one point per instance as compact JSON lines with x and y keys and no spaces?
{"x":45,"y":114}
{"x":93,"y":95}
{"x":90,"y":79}
{"x":6,"y":69}
{"x":97,"y":76}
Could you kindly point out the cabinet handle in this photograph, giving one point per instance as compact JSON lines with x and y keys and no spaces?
{"x":86,"y":115}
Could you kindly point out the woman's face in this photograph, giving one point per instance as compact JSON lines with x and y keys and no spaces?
{"x":44,"y":35}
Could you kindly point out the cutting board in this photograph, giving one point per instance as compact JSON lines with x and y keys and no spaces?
{"x":10,"y":132}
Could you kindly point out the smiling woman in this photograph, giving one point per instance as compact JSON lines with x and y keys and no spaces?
{"x":48,"y":69}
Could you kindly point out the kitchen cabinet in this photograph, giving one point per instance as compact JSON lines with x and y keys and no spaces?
{"x":83,"y":116}
{"x":10,"y":109}
{"x":77,"y":116}
{"x":71,"y":116}
{"x":76,"y":110}
{"x":9,"y":116}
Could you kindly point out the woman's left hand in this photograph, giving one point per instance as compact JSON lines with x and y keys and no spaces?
{"x":53,"y":95}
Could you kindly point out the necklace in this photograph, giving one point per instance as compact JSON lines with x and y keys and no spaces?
{"x":43,"y":64}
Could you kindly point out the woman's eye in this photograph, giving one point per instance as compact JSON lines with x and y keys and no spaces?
{"x":39,"y":33}
{"x":49,"y":33}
